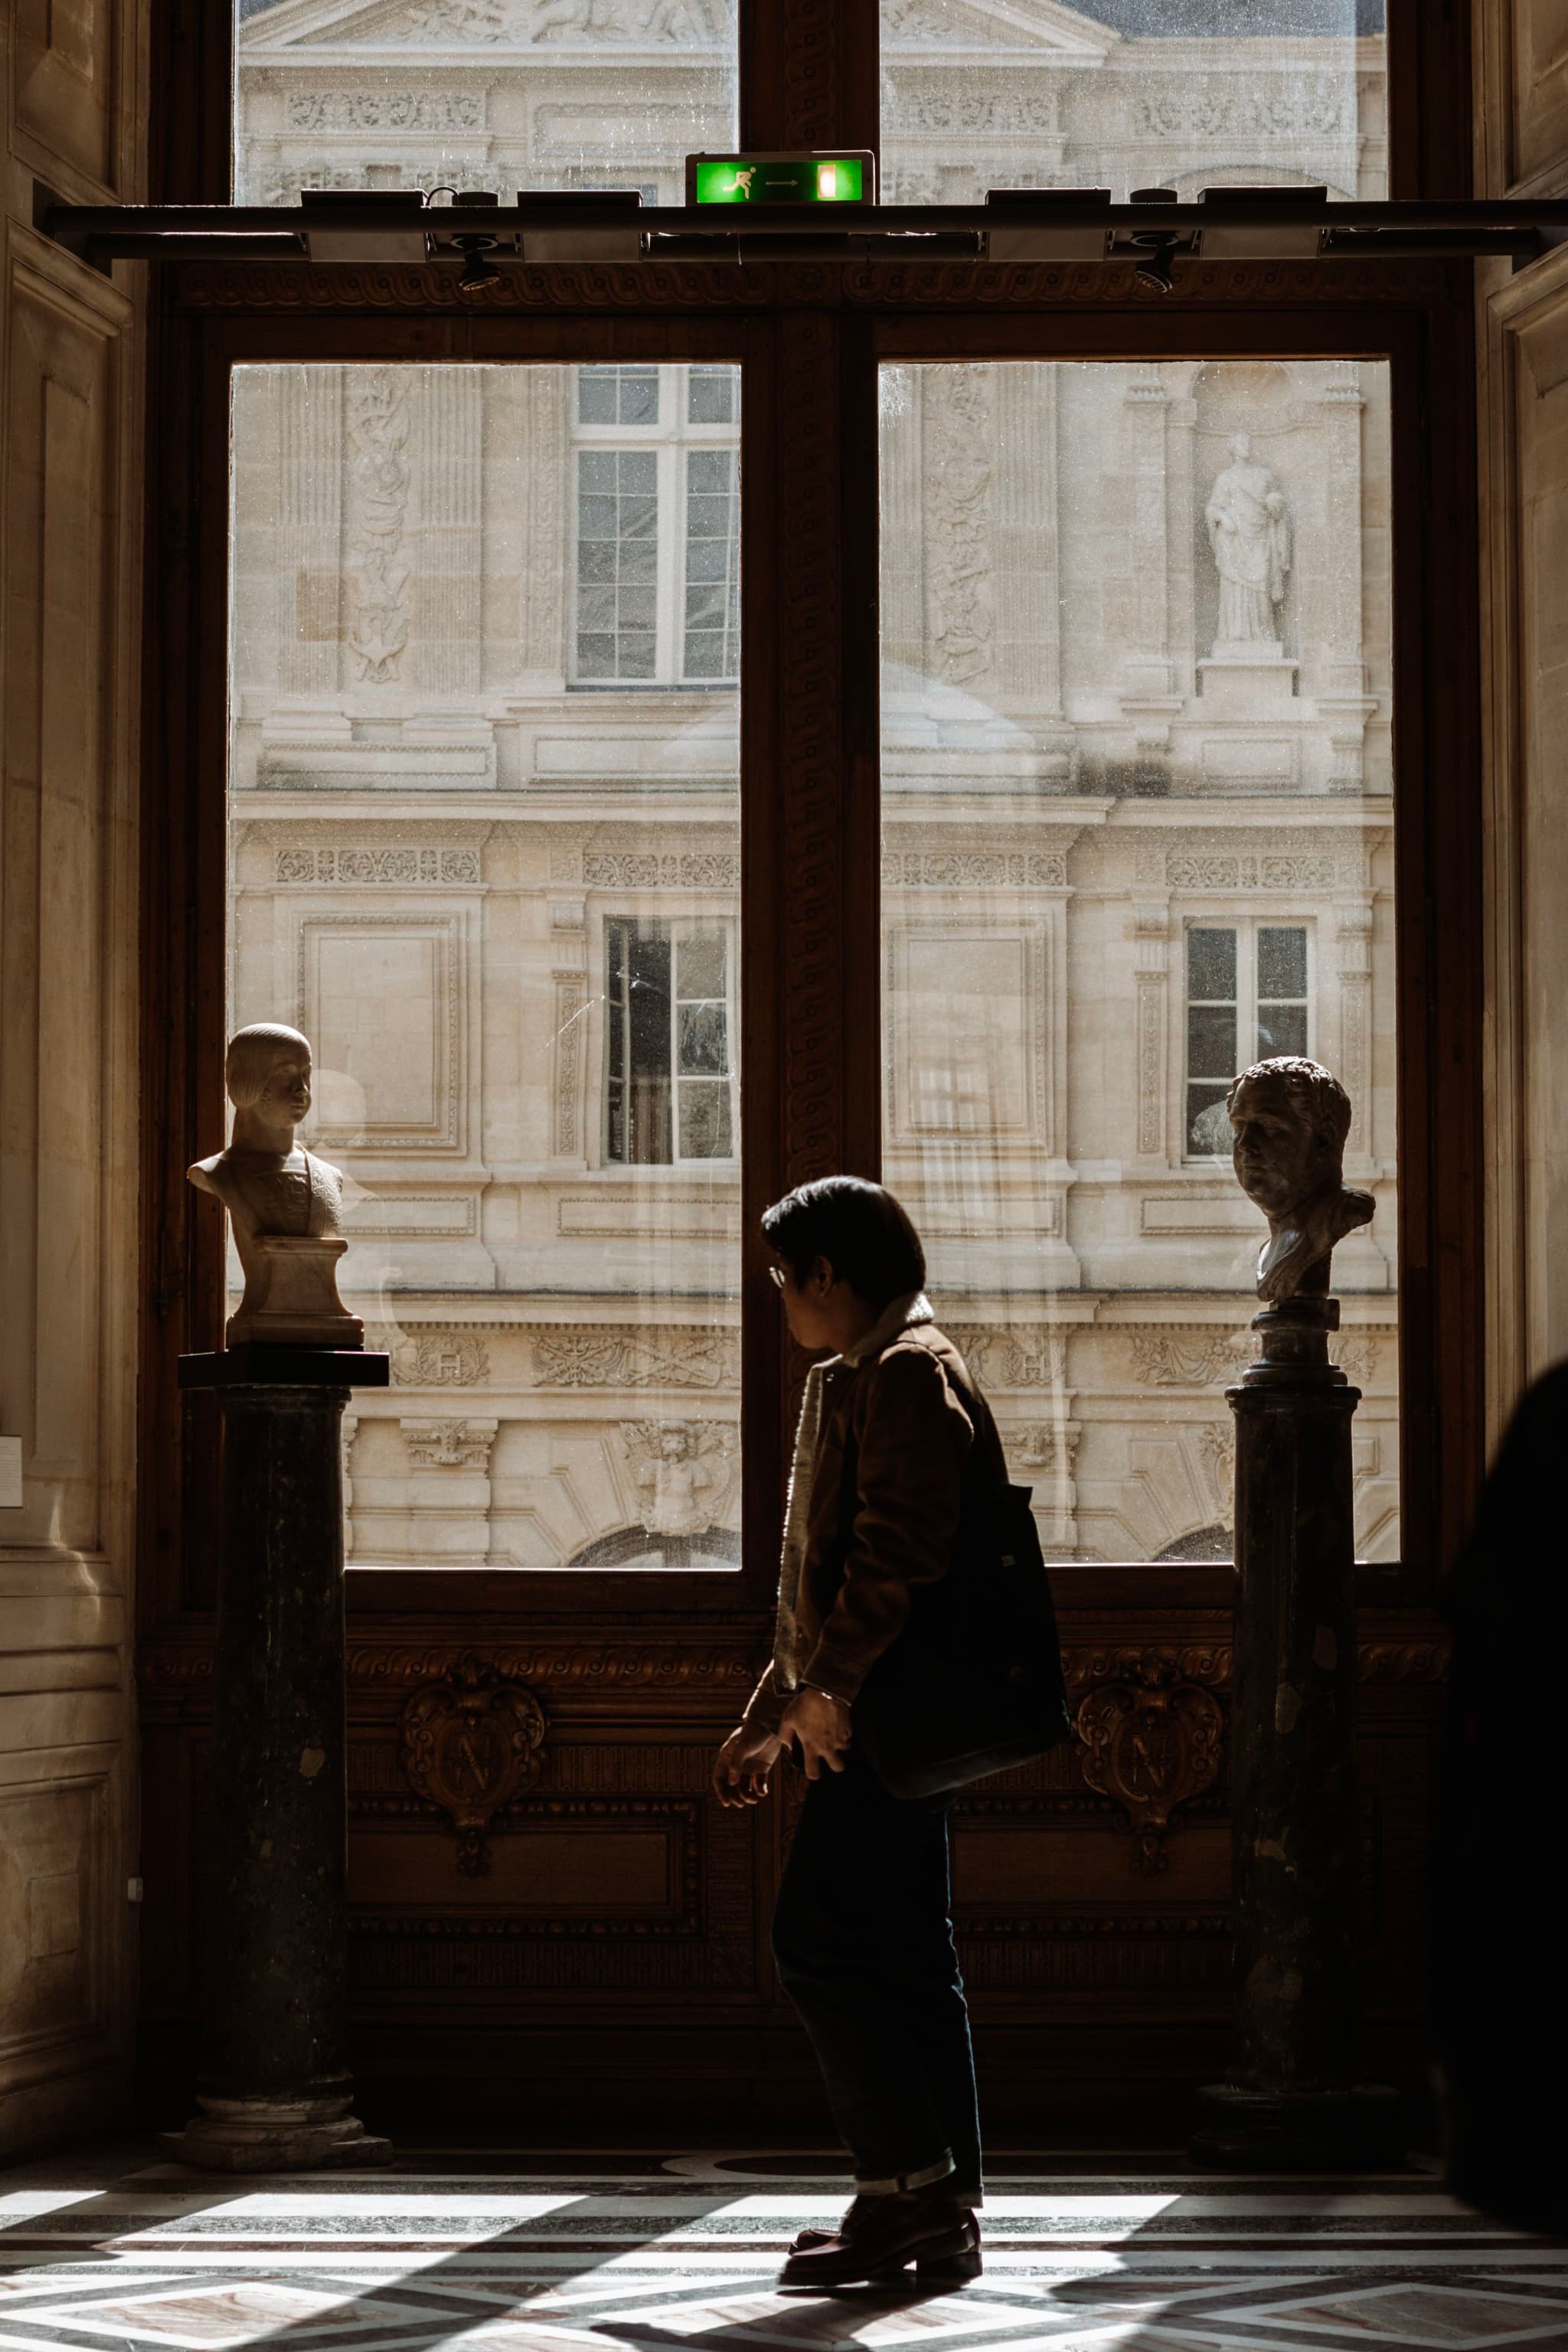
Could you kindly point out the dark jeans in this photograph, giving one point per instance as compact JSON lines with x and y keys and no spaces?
{"x":864,"y":1951}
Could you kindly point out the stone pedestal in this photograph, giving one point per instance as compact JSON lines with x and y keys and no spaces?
{"x":1291,"y":2099}
{"x":273,"y":2093}
{"x":1246,"y":676}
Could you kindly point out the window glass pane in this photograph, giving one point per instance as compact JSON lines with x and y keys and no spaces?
{"x":494,"y":94}
{"x":1210,"y":966}
{"x":713,"y":394}
{"x":1126,"y":94}
{"x":1138,"y":829}
{"x":1282,"y":961}
{"x":478,"y":889}
{"x":712,"y":563}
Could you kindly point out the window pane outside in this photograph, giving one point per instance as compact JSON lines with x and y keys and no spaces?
{"x":657,"y":564}
{"x":1126,"y":94}
{"x":1126,"y":847}
{"x":505,"y":913}
{"x":492,"y":94}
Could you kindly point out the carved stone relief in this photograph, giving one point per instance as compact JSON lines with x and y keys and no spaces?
{"x":607,"y":1358}
{"x":684,"y":1472}
{"x":452,"y":1445}
{"x":380,"y":560}
{"x":961,"y":502}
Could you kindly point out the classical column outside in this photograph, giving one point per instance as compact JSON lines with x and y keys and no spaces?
{"x":273,"y":2091}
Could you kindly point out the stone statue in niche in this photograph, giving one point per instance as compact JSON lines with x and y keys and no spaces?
{"x":1250,"y":531}
{"x":1290,"y":1118}
{"x":284,"y":1203}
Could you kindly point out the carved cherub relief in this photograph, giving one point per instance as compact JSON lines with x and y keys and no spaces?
{"x":1290,"y":1118}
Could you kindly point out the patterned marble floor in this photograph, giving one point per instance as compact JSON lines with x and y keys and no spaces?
{"x":499,"y":2252}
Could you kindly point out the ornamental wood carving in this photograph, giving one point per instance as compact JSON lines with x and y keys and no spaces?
{"x":472,"y":1742}
{"x":1150,"y":1742}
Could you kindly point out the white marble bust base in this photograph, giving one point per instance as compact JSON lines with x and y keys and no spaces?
{"x":291,"y":1294}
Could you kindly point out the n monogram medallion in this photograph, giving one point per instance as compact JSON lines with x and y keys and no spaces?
{"x":472,"y":1742}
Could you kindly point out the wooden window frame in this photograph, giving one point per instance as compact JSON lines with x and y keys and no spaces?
{"x":809,"y":336}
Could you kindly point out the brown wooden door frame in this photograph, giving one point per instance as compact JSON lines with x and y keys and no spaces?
{"x":811,"y":1039}
{"x":660,"y":1673}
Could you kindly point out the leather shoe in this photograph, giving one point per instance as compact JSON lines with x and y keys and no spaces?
{"x":880,"y":2238}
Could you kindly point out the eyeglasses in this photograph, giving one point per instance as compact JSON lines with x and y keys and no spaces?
{"x":777,"y":1276}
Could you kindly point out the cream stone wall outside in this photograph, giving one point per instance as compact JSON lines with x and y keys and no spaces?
{"x":70,"y":542}
{"x":1074,"y":772}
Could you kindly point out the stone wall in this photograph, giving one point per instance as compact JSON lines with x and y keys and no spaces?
{"x":68,"y":1177}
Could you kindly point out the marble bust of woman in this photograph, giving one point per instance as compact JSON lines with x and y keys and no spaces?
{"x":285,"y":1205}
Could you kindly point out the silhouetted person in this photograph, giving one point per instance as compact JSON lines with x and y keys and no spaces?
{"x":1499,"y":1967}
{"x":894,"y":1437}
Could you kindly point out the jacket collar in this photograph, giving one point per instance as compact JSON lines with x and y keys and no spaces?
{"x":914,"y":1307}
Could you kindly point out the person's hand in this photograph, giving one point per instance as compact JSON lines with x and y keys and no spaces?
{"x":742,"y":1765}
{"x":822,"y":1726}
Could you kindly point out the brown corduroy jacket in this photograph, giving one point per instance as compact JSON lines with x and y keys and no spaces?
{"x":905,"y":1433}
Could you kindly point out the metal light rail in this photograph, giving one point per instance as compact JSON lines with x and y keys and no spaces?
{"x":1028,"y":224}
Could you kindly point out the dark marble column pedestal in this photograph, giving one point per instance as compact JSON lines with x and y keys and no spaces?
{"x":1290,"y":2099}
{"x":273,"y":2093}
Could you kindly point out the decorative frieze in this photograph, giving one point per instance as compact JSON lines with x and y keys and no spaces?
{"x":362,"y":862}
{"x":980,"y":869}
{"x":612,"y":1356}
{"x":1228,"y":107}
{"x":1184,"y":1360}
{"x":646,"y":869}
{"x":384,"y":109}
{"x":1021,"y":1357}
{"x":435,"y":1360}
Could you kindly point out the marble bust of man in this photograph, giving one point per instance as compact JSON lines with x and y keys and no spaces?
{"x":1290,"y":1118}
{"x":285,"y":1205}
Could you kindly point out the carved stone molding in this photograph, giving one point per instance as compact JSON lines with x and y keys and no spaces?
{"x":472,"y":1743}
{"x":1151,"y":1742}
{"x":449,"y":1444}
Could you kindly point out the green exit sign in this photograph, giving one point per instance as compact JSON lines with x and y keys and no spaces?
{"x":821,"y":178}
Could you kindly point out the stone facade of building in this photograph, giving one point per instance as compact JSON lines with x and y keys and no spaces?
{"x":485,"y":798}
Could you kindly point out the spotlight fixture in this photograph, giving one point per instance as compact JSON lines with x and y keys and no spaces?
{"x":1153,"y":265}
{"x":476,"y":272}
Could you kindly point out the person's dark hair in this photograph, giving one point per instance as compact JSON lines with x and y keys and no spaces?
{"x":863,"y":1233}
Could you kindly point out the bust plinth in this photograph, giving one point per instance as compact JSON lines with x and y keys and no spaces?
{"x":272,"y":2092}
{"x":1293,"y":2100}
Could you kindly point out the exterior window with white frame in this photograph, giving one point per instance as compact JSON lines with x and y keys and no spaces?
{"x":657,"y":567}
{"x":669,"y":1090}
{"x":1247,"y":1000}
